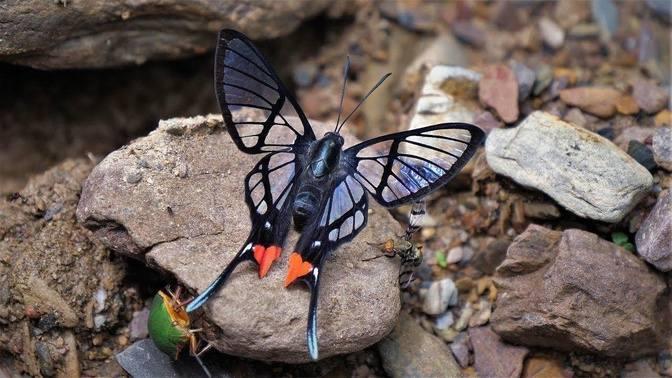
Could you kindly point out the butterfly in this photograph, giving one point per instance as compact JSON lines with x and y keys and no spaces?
{"x":315,"y":183}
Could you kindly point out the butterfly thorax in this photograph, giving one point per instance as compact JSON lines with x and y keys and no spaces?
{"x":323,"y":161}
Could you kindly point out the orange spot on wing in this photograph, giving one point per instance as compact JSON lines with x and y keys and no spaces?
{"x":270,"y":254}
{"x":258,"y":251}
{"x":297,"y":268}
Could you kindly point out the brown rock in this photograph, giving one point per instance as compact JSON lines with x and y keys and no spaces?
{"x":543,"y":367}
{"x":654,"y":237}
{"x":573,"y":291}
{"x":494,"y":358}
{"x":664,"y":118}
{"x":206,"y":226}
{"x":649,"y":96}
{"x":97,"y":33}
{"x":627,"y":105}
{"x":600,"y":101}
{"x":499,"y":89}
{"x":409,"y":351}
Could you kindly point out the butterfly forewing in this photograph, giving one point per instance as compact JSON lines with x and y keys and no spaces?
{"x":259,"y":112}
{"x":403,"y":167}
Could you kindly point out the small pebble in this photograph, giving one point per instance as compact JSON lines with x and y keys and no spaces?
{"x":455,"y":255}
{"x":552,"y":33}
{"x":444,"y":321}
{"x":440,"y":295}
{"x":465,"y":315}
{"x":642,"y":154}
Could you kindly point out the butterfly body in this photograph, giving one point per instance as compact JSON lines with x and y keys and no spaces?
{"x":319,"y":184}
{"x":319,"y":174}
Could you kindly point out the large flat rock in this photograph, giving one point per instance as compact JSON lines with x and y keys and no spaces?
{"x":99,"y":33}
{"x":176,"y":197}
{"x":582,"y":171}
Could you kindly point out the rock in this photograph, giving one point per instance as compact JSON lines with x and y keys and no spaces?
{"x":543,"y":367}
{"x":460,"y":348}
{"x":466,"y":314}
{"x":543,"y":80}
{"x":662,"y":147}
{"x":547,"y":273}
{"x":552,"y":33}
{"x":440,"y":295}
{"x":600,"y":101}
{"x":576,"y":117}
{"x":95,"y":34}
{"x":449,"y":94}
{"x":541,"y":210}
{"x":582,"y":171}
{"x":206,"y":226}
{"x":482,"y":316}
{"x":649,"y":96}
{"x":138,"y":325}
{"x":627,"y":105}
{"x":144,"y":360}
{"x":664,"y":118}
{"x":570,"y":12}
{"x":469,"y":33}
{"x":654,"y":237}
{"x":444,"y":321}
{"x":605,"y":14}
{"x":409,"y":351}
{"x":643,"y":154}
{"x":455,"y":255}
{"x":636,"y":133}
{"x":498,"y":89}
{"x":486,"y":121}
{"x":494,"y":358}
{"x":525,"y":77}
{"x":488,"y":260}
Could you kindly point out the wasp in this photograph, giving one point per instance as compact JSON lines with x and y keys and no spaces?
{"x":408,"y":251}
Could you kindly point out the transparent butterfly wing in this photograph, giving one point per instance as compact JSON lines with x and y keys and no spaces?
{"x":406,"y":166}
{"x":256,"y":106}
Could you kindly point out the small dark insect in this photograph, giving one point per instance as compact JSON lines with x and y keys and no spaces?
{"x":317,"y":184}
{"x":409,"y":252}
{"x":170,"y":211}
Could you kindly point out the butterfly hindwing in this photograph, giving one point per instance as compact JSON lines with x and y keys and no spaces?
{"x":255,"y":104}
{"x":403,"y":167}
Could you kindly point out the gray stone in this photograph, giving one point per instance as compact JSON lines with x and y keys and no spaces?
{"x":654,"y":237}
{"x":98,"y":33}
{"x":144,"y":360}
{"x":584,"y":172}
{"x":573,"y":291}
{"x":494,"y":358}
{"x":440,"y":295}
{"x":662,"y":147}
{"x":460,"y":348}
{"x":207,"y":223}
{"x":409,"y":351}
{"x":138,"y":325}
{"x":525,"y":77}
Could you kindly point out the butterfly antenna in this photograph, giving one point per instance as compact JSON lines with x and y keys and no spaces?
{"x":346,"y":71}
{"x":364,"y":99}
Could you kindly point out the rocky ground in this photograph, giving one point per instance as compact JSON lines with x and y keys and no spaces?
{"x":548,"y":256}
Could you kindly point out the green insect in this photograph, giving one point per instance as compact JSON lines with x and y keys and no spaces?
{"x":169,"y":325}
